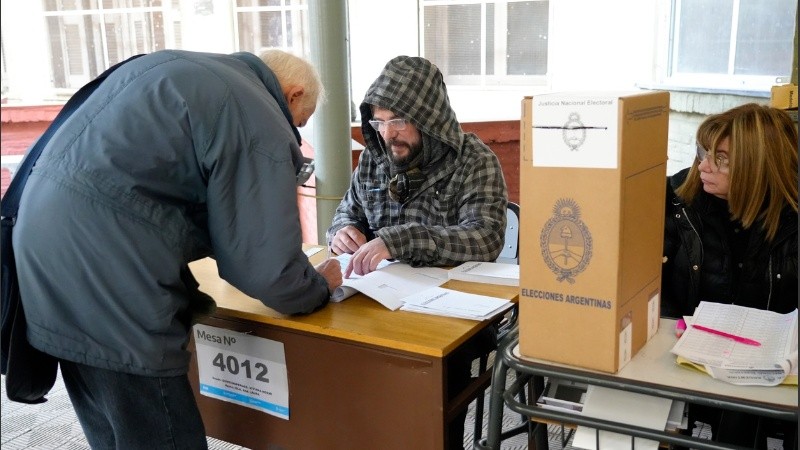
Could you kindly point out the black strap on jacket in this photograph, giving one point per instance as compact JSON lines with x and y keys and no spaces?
{"x":10,"y":306}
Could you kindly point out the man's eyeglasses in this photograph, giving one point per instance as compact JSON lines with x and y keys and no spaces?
{"x":720,"y":161}
{"x":382,"y":125}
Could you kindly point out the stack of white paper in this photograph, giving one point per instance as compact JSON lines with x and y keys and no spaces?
{"x":678,"y":416}
{"x":563,"y":395}
{"x":632,"y":408}
{"x":773,"y":361}
{"x":447,"y":302}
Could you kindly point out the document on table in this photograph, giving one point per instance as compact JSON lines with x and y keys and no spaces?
{"x":728,"y":360}
{"x":389,"y":283}
{"x":631,"y":408}
{"x":486,"y":272}
{"x":447,"y":302}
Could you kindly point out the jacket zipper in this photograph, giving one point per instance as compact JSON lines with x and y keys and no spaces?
{"x":769,"y":271}
{"x":702,"y":250}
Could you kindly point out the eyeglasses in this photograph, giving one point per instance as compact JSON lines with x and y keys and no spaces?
{"x":382,"y":125}
{"x":720,"y":161}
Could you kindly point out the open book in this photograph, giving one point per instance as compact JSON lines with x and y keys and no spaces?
{"x":772,"y":362}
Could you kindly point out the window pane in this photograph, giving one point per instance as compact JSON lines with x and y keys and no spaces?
{"x":113,"y":4}
{"x":133,"y":33}
{"x":527,"y":38}
{"x":74,"y":52}
{"x":245,"y":3}
{"x":69,"y":5}
{"x":289,"y":34}
{"x":765,"y":37}
{"x":704,"y":36}
{"x":83,"y":45}
{"x":201,"y":7}
{"x":453,"y":38}
{"x":281,"y":24}
{"x":56,"y":51}
{"x":259,"y":29}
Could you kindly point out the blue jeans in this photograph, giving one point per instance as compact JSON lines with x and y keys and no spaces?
{"x":123,"y":411}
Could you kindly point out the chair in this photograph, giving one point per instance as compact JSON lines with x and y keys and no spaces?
{"x":507,"y":325}
{"x":510,"y":253}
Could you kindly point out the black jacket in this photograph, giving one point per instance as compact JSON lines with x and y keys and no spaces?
{"x":699,"y":263}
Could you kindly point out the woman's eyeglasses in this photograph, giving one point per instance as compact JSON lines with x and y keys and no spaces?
{"x":719,"y":162}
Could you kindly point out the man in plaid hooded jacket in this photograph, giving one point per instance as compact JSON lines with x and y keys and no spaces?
{"x":424,"y":192}
{"x":434,"y":195}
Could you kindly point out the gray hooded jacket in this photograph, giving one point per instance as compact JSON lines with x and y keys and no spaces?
{"x":177,"y":156}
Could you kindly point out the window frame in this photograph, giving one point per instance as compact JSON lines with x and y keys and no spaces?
{"x":482,"y":80}
{"x":728,"y":82}
{"x":99,"y":18}
{"x":297,"y":9}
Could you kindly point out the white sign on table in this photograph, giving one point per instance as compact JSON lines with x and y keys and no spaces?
{"x":242,"y":369}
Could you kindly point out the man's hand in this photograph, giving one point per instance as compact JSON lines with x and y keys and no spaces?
{"x":347,"y":240}
{"x":367,"y":257}
{"x":331,"y":270}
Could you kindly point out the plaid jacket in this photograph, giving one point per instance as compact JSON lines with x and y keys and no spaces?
{"x":459,"y":213}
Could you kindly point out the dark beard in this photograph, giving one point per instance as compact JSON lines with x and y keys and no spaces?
{"x":413,"y":151}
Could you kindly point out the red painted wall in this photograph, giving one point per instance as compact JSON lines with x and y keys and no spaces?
{"x":20,"y":126}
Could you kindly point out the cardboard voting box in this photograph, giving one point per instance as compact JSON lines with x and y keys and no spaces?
{"x":592,"y":188}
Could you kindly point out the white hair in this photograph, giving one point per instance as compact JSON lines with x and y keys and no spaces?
{"x":292,"y":70}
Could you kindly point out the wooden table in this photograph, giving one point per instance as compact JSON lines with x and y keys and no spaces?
{"x":360,"y":376}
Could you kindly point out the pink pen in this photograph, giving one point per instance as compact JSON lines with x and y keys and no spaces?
{"x":739,"y":339}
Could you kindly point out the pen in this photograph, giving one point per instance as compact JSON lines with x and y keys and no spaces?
{"x":741,"y":340}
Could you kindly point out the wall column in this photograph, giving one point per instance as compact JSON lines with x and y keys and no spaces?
{"x":332,"y":144}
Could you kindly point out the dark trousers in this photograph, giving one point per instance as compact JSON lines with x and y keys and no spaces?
{"x":123,"y":411}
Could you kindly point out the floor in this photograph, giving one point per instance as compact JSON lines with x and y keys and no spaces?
{"x":53,"y":425}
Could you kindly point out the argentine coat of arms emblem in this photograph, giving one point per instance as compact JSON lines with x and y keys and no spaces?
{"x":565,"y":241}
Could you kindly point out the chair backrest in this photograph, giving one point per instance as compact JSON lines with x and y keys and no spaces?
{"x":510,"y":253}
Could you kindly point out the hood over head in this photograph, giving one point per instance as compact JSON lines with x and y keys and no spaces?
{"x":413,"y":88}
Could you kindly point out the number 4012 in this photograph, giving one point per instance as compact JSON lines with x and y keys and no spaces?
{"x":232,"y":365}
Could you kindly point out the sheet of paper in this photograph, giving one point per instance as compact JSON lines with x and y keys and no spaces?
{"x":346,"y":291}
{"x":448,"y":302}
{"x":734,"y":362}
{"x":678,"y":416}
{"x":641,"y":410}
{"x":486,"y":272}
{"x":392,"y":281}
{"x":342,"y":293}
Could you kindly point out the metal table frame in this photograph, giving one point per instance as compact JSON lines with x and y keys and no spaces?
{"x":531,"y":375}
